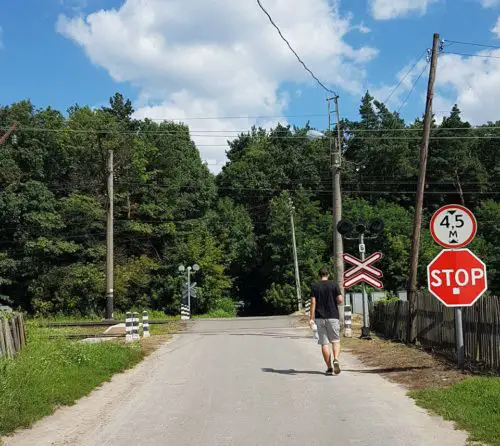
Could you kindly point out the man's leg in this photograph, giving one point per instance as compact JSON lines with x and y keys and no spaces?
{"x":336,"y":349}
{"x":334,"y":336}
{"x":325,"y":349}
{"x":325,"y":344}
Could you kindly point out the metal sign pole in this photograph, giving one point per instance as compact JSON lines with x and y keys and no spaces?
{"x":459,"y":336}
{"x":365,"y":332}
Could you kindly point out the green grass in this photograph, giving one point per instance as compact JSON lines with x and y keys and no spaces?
{"x":48,"y":374}
{"x":215,"y":314}
{"x":473,"y":404}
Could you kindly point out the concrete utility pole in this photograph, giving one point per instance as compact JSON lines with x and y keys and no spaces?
{"x":295,"y":260}
{"x":417,"y":222}
{"x":109,"y":240}
{"x":336,"y":155}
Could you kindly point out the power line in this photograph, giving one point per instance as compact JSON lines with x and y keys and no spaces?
{"x":405,"y":76}
{"x":313,"y":115}
{"x":472,"y":43}
{"x":236,"y":133}
{"x":293,"y":51}
{"x":412,"y":88}
{"x":472,"y":55}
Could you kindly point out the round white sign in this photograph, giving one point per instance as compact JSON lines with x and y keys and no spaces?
{"x":453,"y":226}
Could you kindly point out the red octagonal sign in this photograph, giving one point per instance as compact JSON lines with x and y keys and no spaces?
{"x":457,"y":277}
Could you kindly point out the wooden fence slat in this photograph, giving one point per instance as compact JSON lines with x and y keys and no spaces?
{"x":3,"y":345}
{"x":12,"y":335}
{"x":15,"y":335}
{"x":22,"y":332}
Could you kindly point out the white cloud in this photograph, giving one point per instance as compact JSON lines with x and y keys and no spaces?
{"x":473,"y":83}
{"x":362,"y":28}
{"x":218,"y":57}
{"x":490,"y":3}
{"x":390,"y":9}
{"x":496,"y":29}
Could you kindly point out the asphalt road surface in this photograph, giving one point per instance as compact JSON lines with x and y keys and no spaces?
{"x":255,"y":381}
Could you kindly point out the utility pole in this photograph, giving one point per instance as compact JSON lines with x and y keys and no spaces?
{"x":7,"y":133}
{"x":109,"y":240}
{"x":295,"y":260}
{"x":337,"y":198}
{"x":417,"y":222}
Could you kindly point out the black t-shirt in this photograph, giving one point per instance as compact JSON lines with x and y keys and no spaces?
{"x":326,"y":292}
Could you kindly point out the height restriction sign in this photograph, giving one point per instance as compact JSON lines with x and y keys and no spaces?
{"x":453,"y":226}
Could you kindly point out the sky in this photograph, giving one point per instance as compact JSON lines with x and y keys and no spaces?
{"x":221,"y":67}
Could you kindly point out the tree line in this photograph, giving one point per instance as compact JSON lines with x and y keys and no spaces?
{"x":170,"y":209}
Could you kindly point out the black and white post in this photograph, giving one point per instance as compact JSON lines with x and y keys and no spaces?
{"x":145,"y":325}
{"x":128,"y":327}
{"x":348,"y":321}
{"x":135,"y":327}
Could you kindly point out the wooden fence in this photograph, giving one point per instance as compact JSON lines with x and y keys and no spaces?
{"x":435,"y":325}
{"x":12,"y":335}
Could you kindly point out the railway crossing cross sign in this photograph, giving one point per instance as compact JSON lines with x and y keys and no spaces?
{"x":363,"y":271}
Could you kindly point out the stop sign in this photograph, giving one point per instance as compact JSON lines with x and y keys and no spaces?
{"x":457,"y":277}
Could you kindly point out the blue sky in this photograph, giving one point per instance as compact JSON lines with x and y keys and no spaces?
{"x":207,"y":58}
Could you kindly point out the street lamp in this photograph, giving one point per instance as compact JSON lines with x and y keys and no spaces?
{"x":183,"y":269}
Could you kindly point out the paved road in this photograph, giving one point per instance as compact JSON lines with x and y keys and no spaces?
{"x":242,"y":382}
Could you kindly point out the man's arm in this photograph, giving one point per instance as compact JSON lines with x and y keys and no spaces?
{"x":340,"y":299}
{"x":313,"y":308}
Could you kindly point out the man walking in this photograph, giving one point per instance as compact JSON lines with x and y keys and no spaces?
{"x":325,"y":300}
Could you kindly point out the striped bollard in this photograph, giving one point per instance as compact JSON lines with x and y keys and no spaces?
{"x":307,"y":306}
{"x":185,"y":313}
{"x":145,"y":325}
{"x":128,"y":327}
{"x":347,"y":321}
{"x":135,"y":327}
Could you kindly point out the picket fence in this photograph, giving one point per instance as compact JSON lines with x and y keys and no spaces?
{"x":435,"y":327}
{"x":12,"y":335}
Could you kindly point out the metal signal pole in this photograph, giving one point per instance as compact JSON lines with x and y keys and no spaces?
{"x":417,"y":222}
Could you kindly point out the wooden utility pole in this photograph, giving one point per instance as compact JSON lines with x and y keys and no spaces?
{"x":7,"y":133}
{"x":109,"y":240}
{"x":295,"y":259}
{"x":417,"y":221}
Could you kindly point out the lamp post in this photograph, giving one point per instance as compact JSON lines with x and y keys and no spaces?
{"x":182,"y":269}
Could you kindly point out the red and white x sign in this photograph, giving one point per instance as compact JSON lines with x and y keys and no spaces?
{"x":362,"y":271}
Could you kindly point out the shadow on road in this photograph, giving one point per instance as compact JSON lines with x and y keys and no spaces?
{"x":387,"y":370}
{"x":292,"y":372}
{"x":311,"y":372}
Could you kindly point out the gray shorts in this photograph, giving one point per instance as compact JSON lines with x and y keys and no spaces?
{"x":328,"y":331}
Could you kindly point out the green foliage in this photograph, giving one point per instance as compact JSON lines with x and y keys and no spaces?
{"x":48,"y":374}
{"x":170,"y":210}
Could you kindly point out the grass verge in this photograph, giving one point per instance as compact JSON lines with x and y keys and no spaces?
{"x":52,"y":373}
{"x":473,"y":404}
